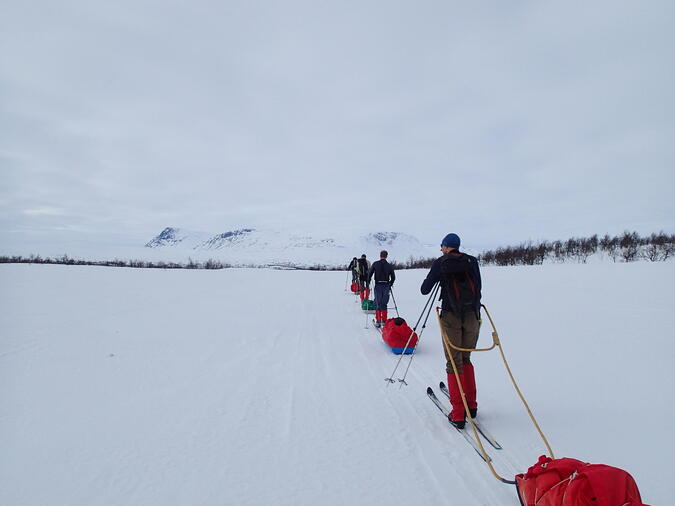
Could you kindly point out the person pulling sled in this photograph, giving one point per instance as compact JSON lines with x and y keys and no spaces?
{"x":354,"y":268}
{"x":384,"y":280}
{"x":459,"y":276}
{"x":364,"y":286}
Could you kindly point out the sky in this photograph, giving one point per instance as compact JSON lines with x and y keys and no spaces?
{"x":500,"y":121}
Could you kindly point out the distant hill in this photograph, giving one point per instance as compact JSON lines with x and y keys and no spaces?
{"x":254,"y":246}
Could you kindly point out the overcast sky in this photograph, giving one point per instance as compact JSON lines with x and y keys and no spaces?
{"x":501,"y":121}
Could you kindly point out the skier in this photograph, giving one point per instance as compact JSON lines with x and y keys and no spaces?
{"x":354,"y":266}
{"x":459,"y":276}
{"x":384,"y":280}
{"x":364,"y":266}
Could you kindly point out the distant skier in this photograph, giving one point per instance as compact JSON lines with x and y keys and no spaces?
{"x":354,"y":267}
{"x":459,"y":276}
{"x":364,"y":286}
{"x":384,"y":280}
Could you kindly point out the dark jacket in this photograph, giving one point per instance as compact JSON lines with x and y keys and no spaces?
{"x":353,"y":265}
{"x":434,"y":276}
{"x":363,"y":266}
{"x":383,"y":271}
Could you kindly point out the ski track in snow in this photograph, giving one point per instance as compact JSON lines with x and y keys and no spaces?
{"x":258,"y":387}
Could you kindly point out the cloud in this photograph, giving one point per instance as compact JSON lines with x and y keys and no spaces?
{"x":43,"y":211}
{"x":498,"y":121}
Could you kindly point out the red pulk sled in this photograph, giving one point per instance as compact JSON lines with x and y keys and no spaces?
{"x":355,"y":288}
{"x":570,"y":482}
{"x":398,"y":336}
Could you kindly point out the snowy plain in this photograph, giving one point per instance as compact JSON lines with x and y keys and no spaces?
{"x":123,"y":387}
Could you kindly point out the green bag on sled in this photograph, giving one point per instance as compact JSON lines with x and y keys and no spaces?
{"x":368,"y":305}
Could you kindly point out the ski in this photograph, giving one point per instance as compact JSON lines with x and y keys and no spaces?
{"x":376,"y":327}
{"x":482,"y":430}
{"x":445,"y":412}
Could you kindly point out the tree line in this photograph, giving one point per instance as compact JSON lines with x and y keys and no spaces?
{"x":137,"y":264}
{"x":209,"y":264}
{"x":626,"y":247}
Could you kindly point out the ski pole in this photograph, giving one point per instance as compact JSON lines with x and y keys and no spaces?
{"x":366,"y":312}
{"x":412,"y":333}
{"x":429,"y":303}
{"x":391,"y":291}
{"x":412,"y":354}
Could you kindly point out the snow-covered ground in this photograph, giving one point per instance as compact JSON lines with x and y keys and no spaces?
{"x":261,"y":387}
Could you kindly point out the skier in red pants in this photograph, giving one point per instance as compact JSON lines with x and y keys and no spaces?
{"x":384,"y":280}
{"x":460,"y":280}
{"x":364,"y":286}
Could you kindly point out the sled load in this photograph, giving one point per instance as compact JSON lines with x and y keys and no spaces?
{"x":396,"y":334}
{"x":368,"y":305}
{"x":355,"y":288}
{"x":571,"y":482}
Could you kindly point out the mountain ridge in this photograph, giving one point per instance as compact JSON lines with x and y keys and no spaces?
{"x":267,"y":245}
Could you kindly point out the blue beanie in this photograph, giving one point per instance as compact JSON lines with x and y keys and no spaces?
{"x":451,"y":241}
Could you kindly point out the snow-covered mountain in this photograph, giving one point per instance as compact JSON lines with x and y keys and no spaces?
{"x":387,"y":238}
{"x":255,"y":246}
{"x":227,"y":239}
{"x":395,"y":240}
{"x":172,"y":236}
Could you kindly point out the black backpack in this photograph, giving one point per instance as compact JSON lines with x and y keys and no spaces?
{"x":457,"y":278}
{"x":363,"y":267}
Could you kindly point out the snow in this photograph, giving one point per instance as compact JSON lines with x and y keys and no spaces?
{"x":258,"y":387}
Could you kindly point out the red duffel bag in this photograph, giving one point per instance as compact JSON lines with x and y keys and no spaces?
{"x":570,"y":482}
{"x":396,"y":334}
